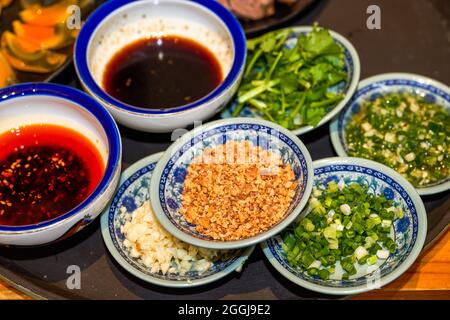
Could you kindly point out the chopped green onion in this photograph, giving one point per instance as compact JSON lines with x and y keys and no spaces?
{"x":326,"y":237}
{"x":313,"y":271}
{"x":372,"y":260}
{"x":324,"y":274}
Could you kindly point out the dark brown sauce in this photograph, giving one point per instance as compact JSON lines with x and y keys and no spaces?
{"x":162,"y":73}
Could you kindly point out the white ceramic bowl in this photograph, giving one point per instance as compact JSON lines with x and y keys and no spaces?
{"x":383,"y":84}
{"x":133,"y":191}
{"x":347,"y":88}
{"x":410,"y":231}
{"x":118,"y":23}
{"x":54,"y":104}
{"x":168,"y":179}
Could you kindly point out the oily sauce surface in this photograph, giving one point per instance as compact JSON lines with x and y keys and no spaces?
{"x":162,"y":73}
{"x":45,"y":171}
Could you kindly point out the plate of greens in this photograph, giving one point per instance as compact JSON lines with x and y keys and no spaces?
{"x":364,"y":226}
{"x":298,"y":77}
{"x":403,"y":121}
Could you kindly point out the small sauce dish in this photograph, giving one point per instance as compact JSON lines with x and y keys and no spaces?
{"x":118,"y":24}
{"x":29,"y":106}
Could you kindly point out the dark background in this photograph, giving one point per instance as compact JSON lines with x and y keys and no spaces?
{"x":414,"y":37}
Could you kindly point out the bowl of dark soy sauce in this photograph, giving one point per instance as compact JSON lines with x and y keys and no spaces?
{"x":161,"y":65}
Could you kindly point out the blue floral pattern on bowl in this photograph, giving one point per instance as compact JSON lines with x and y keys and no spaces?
{"x":133,"y":191}
{"x":172,"y":168}
{"x":341,"y":88}
{"x":405,"y":231}
{"x":171,"y":185}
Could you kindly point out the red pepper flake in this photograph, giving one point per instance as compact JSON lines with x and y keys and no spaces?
{"x":39,"y":182}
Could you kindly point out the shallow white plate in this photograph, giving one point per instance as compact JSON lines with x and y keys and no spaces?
{"x":134,"y":189}
{"x":352,"y":67}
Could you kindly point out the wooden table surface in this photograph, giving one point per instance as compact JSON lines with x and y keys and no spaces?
{"x":428,"y":278}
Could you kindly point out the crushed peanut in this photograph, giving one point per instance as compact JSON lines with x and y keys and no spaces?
{"x":237,"y":190}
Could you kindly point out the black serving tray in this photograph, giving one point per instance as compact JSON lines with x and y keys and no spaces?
{"x":413,"y":39}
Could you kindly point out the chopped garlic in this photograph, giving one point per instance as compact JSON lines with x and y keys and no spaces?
{"x":316,"y":264}
{"x":333,"y":245}
{"x":317,"y":192}
{"x":366,"y":126}
{"x":330,"y":215}
{"x":413,"y":105}
{"x":390,"y":137}
{"x":345,"y":209}
{"x":341,"y":184}
{"x":402,"y":106}
{"x":203,"y":266}
{"x":386,"y":223}
{"x":158,"y":250}
{"x":410,"y":157}
{"x":360,"y":252}
{"x":383,"y":254}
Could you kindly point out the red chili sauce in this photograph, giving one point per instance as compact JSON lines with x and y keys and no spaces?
{"x":45,"y":171}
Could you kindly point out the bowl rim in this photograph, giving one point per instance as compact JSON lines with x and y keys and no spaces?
{"x":107,"y":238}
{"x":103,"y":12}
{"x":344,"y":42}
{"x":236,"y":244}
{"x":97,"y":111}
{"x":417,"y":248}
{"x":412,"y":79}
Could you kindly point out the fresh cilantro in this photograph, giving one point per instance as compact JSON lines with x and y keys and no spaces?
{"x":290,"y":84}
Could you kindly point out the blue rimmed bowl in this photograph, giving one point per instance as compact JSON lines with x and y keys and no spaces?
{"x":170,"y":173}
{"x":379,"y":85}
{"x":134,"y":189}
{"x":351,"y":66}
{"x":29,"y":104}
{"x":409,"y":232}
{"x":118,"y":23}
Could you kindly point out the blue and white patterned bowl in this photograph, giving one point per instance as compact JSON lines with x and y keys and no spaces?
{"x":410,"y":231}
{"x":167,"y":184}
{"x":374,"y":87}
{"x":352,"y":68}
{"x":134,"y":190}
